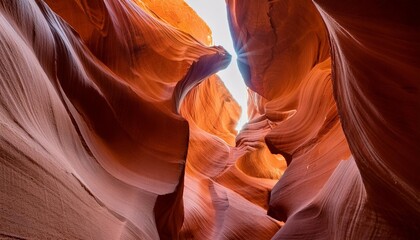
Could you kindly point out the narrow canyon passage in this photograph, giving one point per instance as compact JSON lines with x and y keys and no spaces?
{"x":214,"y":13}
{"x":120,"y":119}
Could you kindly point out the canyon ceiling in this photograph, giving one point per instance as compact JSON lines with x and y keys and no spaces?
{"x":114,"y":124}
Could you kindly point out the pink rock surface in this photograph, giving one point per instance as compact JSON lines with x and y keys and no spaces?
{"x":283,"y":50}
{"x":113,"y":124}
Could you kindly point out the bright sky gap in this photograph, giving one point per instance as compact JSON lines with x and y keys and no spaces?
{"x":213,"y":12}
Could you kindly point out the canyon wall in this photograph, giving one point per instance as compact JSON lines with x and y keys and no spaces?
{"x":103,"y":131}
{"x":113,"y":124}
{"x":327,"y":76}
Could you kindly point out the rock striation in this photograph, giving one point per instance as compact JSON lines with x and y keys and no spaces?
{"x":114,"y":124}
{"x":326,"y":77}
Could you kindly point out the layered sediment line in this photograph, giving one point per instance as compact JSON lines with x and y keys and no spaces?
{"x":113,"y":124}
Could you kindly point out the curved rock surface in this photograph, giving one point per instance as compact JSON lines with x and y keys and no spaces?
{"x":113,"y":124}
{"x":91,"y":107}
{"x":283,"y":49}
{"x":376,"y":66}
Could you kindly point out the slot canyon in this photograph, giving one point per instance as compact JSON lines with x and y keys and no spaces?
{"x":115,"y":125}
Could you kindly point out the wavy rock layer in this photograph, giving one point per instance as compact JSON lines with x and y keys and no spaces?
{"x":283,"y":51}
{"x":95,"y":118}
{"x":114,"y":126}
{"x":93,"y":144}
{"x":376,"y":67}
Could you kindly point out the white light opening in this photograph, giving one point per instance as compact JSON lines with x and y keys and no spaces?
{"x":213,"y":12}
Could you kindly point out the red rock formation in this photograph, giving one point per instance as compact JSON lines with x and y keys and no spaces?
{"x":123,"y":139}
{"x":118,"y":146}
{"x":376,"y":51}
{"x":298,"y":117}
{"x":178,"y":14}
{"x":283,"y":50}
{"x":114,"y":126}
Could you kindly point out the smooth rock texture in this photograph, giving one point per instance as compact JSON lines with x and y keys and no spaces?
{"x":322,"y":111}
{"x":108,"y":122}
{"x":114,"y":124}
{"x":376,"y":70}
